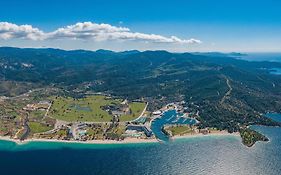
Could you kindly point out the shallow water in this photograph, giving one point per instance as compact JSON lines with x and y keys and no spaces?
{"x":169,"y":117}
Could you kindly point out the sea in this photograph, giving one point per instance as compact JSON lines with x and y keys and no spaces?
{"x":214,"y":155}
{"x":272,"y":57}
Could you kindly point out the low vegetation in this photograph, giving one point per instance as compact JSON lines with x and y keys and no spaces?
{"x":136,"y":110}
{"x":177,"y":130}
{"x":90,"y":109}
{"x":36,"y":127}
{"x":83,"y":109}
{"x":250,"y":137}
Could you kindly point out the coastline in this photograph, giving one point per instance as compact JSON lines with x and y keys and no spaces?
{"x":125,"y":141}
{"x":221,"y":133}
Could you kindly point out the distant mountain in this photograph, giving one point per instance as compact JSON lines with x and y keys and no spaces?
{"x":130,"y":52}
{"x":104,"y":51}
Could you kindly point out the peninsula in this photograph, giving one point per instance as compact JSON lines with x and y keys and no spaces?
{"x":108,"y":97}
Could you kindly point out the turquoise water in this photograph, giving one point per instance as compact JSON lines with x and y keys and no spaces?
{"x":169,"y":117}
{"x":222,"y":155}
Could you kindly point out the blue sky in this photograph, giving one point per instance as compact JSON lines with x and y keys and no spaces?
{"x":177,"y":25}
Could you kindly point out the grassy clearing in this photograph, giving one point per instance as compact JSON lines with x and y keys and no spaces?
{"x":136,"y":108}
{"x":95,"y":133}
{"x":36,"y":127}
{"x":37,"y":114}
{"x":89,"y":109}
{"x":180,"y":130}
{"x":86,"y":109}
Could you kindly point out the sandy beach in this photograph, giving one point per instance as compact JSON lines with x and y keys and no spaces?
{"x":221,"y":133}
{"x":125,"y":141}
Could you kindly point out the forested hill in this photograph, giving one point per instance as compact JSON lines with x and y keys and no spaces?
{"x":228,"y":92}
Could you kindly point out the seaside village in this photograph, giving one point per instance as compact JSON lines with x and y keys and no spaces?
{"x":39,"y":122}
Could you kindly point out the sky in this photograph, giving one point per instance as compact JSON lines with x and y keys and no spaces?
{"x":173,"y":25}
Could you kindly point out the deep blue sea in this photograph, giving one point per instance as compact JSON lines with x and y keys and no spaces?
{"x":221,"y":155}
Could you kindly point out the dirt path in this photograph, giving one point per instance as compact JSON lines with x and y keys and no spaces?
{"x":23,"y":133}
{"x":228,"y":93}
{"x":47,"y":111}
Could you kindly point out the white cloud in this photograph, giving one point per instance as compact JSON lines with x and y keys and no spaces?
{"x":9,"y":31}
{"x":194,"y":41}
{"x":102,"y":32}
{"x":86,"y":31}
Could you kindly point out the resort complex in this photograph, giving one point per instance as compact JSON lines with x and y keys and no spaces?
{"x":94,"y":117}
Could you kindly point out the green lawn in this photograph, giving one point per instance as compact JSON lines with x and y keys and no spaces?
{"x":137,"y":108}
{"x":180,"y":130}
{"x":36,"y":127}
{"x":89,"y":109}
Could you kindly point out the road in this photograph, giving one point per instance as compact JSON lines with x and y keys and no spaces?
{"x":142,"y":112}
{"x":227,"y":94}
